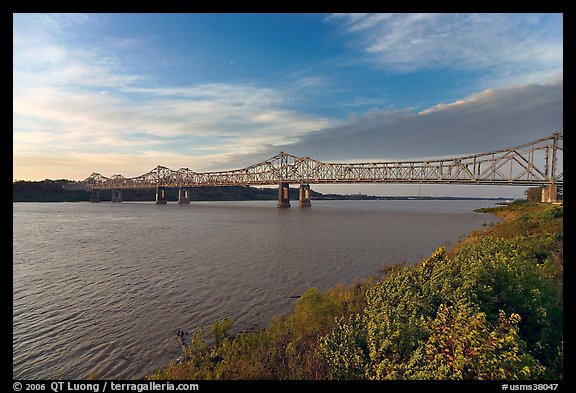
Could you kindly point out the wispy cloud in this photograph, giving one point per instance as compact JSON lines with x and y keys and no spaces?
{"x":46,"y":52}
{"x":367,"y":101}
{"x":502,"y":43}
{"x":232,"y":111}
{"x":485,"y":121}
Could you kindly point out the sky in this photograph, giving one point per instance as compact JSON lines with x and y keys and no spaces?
{"x":123,"y":93}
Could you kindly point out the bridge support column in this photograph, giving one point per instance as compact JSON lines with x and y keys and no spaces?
{"x":161,"y":195}
{"x":116,"y":195}
{"x":183,"y":196}
{"x":550,"y":193}
{"x":95,"y":195}
{"x":304,"y":196}
{"x":284,"y":195}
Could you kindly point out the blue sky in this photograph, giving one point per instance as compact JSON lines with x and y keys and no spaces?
{"x":122,"y":93}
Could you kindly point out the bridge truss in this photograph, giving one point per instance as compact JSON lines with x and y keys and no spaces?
{"x":536,"y":163}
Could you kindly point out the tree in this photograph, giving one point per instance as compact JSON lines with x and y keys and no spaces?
{"x":534,"y":194}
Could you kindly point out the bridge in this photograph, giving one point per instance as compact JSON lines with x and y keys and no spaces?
{"x":535,"y":163}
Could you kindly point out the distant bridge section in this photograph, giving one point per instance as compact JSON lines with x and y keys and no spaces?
{"x":536,"y":163}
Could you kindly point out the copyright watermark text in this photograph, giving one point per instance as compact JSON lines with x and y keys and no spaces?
{"x":103,"y":386}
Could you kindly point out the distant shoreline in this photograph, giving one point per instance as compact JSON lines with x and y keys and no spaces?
{"x":58,"y":191}
{"x":341,"y":198}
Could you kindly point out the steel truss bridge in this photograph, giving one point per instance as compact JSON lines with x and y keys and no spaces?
{"x":535,"y":163}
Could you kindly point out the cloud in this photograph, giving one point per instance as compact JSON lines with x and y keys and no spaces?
{"x":502,"y":43}
{"x":244,"y":114}
{"x":485,"y":121}
{"x":49,"y":50}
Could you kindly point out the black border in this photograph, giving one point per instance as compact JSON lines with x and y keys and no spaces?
{"x":181,"y":6}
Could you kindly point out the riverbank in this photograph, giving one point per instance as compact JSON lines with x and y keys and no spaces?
{"x":491,"y":308}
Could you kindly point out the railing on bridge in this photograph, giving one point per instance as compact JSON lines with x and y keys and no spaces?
{"x":534,"y":163}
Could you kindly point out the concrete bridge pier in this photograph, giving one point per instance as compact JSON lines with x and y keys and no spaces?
{"x":95,"y":195}
{"x":116,"y":195}
{"x":161,"y":198}
{"x":550,"y":193}
{"x":284,"y":195}
{"x":304,"y":196}
{"x":183,"y":196}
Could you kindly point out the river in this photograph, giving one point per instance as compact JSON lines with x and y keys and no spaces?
{"x":103,"y":287}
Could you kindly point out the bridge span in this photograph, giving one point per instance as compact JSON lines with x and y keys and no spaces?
{"x":535,"y":163}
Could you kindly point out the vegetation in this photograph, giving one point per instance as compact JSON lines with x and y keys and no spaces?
{"x":491,"y":308}
{"x":58,"y":191}
{"x":534,"y":194}
{"x":46,"y":191}
{"x":287,"y":349}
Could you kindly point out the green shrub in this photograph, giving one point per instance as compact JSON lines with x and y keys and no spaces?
{"x":345,"y":351}
{"x":462,"y":344}
{"x":462,"y":301}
